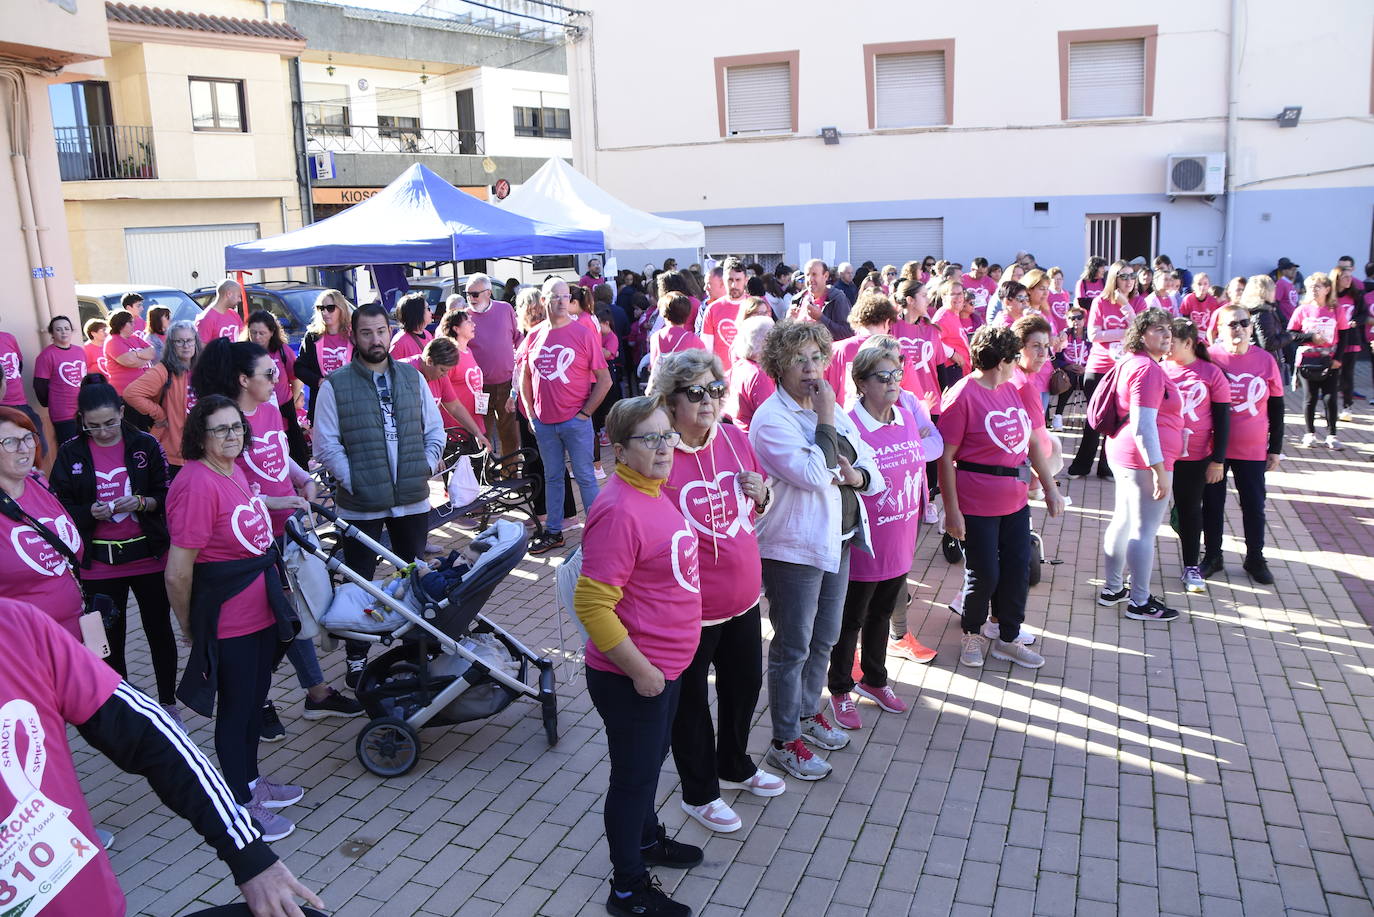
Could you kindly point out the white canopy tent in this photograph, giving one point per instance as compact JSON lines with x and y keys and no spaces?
{"x":561,"y":195}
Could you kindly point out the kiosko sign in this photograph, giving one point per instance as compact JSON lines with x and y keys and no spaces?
{"x":350,"y":196}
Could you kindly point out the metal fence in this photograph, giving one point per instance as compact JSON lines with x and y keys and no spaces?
{"x":358,"y":139}
{"x":105,"y":151}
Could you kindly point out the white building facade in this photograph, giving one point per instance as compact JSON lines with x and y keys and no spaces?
{"x":1065,"y":129}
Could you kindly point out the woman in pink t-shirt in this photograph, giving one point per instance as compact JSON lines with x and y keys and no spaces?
{"x":95,"y":330}
{"x":1347,"y":294}
{"x":57,"y":375}
{"x":221,"y":534}
{"x":1142,"y":455}
{"x":717,"y":485}
{"x":1318,"y":326}
{"x":264,"y":331}
{"x":877,"y":581}
{"x":1111,"y":314}
{"x":1199,"y":304}
{"x":127,"y":355}
{"x":414,"y":314}
{"x":328,"y":342}
{"x":989,"y":453}
{"x":466,"y":375}
{"x":112,"y":479}
{"x":1205,"y":398}
{"x":675,"y":335}
{"x":639,"y":599}
{"x":1092,"y":281}
{"x":749,"y":385}
{"x":953,"y":310}
{"x":1058,"y":300}
{"x":921,"y":344}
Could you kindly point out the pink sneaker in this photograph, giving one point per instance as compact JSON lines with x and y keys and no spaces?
{"x":884,"y":697}
{"x":846,"y":714}
{"x":715,"y":815}
{"x":761,"y":784}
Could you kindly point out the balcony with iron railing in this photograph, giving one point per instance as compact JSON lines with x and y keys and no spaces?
{"x":105,"y":152}
{"x":354,"y":138}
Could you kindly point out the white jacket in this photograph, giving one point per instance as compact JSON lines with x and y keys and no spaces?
{"x":802,"y":525}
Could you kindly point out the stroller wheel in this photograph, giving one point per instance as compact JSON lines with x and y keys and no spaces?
{"x":388,"y":746}
{"x":951,"y":548}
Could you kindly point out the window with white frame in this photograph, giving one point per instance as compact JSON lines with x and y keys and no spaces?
{"x":909,"y":89}
{"x":758,"y":98}
{"x":1106,"y":79}
{"x":542,"y":114}
{"x":217,"y":105}
{"x":398,"y":113}
{"x":326,"y":108}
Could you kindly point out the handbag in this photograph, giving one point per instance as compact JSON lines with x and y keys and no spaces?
{"x":1315,"y":367}
{"x":1059,"y":383}
{"x":98,"y":610}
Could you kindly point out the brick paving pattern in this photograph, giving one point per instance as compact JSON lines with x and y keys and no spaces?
{"x":1221,"y":765}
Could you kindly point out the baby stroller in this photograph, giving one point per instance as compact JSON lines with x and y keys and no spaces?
{"x":446,"y":663}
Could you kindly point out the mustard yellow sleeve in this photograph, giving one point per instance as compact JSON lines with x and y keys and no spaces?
{"x":595,"y":603}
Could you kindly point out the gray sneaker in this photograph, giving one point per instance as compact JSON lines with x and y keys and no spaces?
{"x":795,"y":758}
{"x":1015,"y":652}
{"x":974,"y":646}
{"x":271,"y":795}
{"x":817,"y":730}
{"x":274,"y":827}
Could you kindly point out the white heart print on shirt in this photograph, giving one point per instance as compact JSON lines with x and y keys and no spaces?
{"x":920,"y":350}
{"x":332,"y":358}
{"x":1193,"y":392}
{"x":718,"y":506}
{"x":473,"y":378}
{"x":684,"y":551}
{"x":1010,"y":429}
{"x":553,"y":362}
{"x":1247,"y":391}
{"x":33,"y":549}
{"x":110,"y":486}
{"x":267,"y":456}
{"x":250,"y":525}
{"x":72,"y":372}
{"x":727,"y":330}
{"x":1114,"y":323}
{"x":10,"y":363}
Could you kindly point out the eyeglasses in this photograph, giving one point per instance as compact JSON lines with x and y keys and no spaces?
{"x":18,"y":443}
{"x":886,"y":375}
{"x":102,"y":427}
{"x":1239,"y":323}
{"x":696,"y":393}
{"x":228,"y":431}
{"x":559,"y":296}
{"x":816,"y":359}
{"x":184,"y":342}
{"x":656,"y":441}
{"x":1022,"y":298}
{"x":271,"y":374}
{"x":473,"y":294}
{"x":326,"y":307}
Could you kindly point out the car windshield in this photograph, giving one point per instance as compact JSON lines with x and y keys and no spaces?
{"x":300,"y":302}
{"x":182,"y":307}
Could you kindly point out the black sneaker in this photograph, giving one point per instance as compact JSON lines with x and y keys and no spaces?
{"x":1211,"y":566}
{"x":545,"y":543}
{"x":355,"y":671}
{"x":668,"y":852}
{"x":1259,"y":571}
{"x":1076,"y":472}
{"x":645,"y":899}
{"x":951,"y":548}
{"x":334,"y":704}
{"x":1109,"y":599}
{"x":1152,"y":610}
{"x":272,"y":729}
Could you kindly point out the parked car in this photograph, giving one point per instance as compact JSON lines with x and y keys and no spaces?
{"x":98,"y":300}
{"x":291,"y":302}
{"x":438,"y":289}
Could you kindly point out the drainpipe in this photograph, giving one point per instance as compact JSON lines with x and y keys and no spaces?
{"x":302,"y":165}
{"x":1228,"y":235}
{"x":15,"y":89}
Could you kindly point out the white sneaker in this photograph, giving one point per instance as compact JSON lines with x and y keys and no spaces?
{"x":1015,"y":652}
{"x":1309,"y":440}
{"x":1057,"y":423}
{"x":1035,"y":493}
{"x":761,"y":784}
{"x":1346,"y":415}
{"x":973,"y":648}
{"x":715,"y":815}
{"x":992,"y":632}
{"x":1333,"y":443}
{"x":932,"y":514}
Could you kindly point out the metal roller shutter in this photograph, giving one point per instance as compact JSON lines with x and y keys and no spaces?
{"x":1107,"y":79}
{"x":896,"y":241}
{"x":758,"y":98}
{"x":909,"y":89}
{"x":744,"y":239}
{"x":171,"y":255}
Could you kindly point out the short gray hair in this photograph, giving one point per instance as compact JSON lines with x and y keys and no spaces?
{"x":478,"y":278}
{"x":749,"y":340}
{"x":677,"y":369}
{"x":628,"y":413}
{"x":873,"y":351}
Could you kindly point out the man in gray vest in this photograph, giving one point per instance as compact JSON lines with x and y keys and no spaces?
{"x":379,"y":433}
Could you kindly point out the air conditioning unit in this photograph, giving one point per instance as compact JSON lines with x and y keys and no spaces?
{"x":1195,"y":175}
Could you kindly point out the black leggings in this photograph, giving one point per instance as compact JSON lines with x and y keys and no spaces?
{"x":156,"y":613}
{"x":1325,"y":391}
{"x":867,"y":613}
{"x":243,"y":676}
{"x":1087,"y":446}
{"x":1190,"y":479}
{"x":1347,"y":374}
{"x":1248,"y":476}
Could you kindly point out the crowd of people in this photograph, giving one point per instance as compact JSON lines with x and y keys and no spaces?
{"x":776,"y":435}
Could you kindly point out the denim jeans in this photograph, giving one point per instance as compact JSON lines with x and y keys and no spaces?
{"x":307,"y":664}
{"x":638,"y":732}
{"x":997,"y":552}
{"x":573,"y":437}
{"x":805,"y":607}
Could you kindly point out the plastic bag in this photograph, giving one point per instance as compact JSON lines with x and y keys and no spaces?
{"x":462,"y":484}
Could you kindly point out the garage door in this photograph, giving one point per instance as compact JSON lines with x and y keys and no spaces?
{"x":895,"y":241}
{"x":761,"y":242}
{"x":183,"y":257}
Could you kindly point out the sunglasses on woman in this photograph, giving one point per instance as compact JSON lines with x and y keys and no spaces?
{"x":326,"y":307}
{"x":695,"y":393}
{"x":886,"y":376}
{"x":1239,"y":323}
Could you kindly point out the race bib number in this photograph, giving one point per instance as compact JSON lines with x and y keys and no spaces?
{"x":41,"y":851}
{"x":480,"y":400}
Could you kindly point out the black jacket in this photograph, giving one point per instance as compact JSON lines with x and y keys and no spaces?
{"x":213,"y":583}
{"x":73,"y":481}
{"x":1266,"y":329}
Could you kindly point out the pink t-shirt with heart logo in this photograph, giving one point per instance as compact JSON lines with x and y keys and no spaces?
{"x":111,"y":483}
{"x":1142,"y":382}
{"x":467,"y":382}
{"x":992,"y":427}
{"x":1200,"y":385}
{"x":750,"y":387}
{"x":1255,"y":378}
{"x":1057,"y":310}
{"x":64,"y":370}
{"x":1105,"y":315}
{"x":333,"y":352}
{"x":33,"y":570}
{"x":719,"y":322}
{"x":563,"y":364}
{"x":266,"y":459}
{"x":704,"y":485}
{"x":924,"y":350}
{"x":894,"y":513}
{"x":223,"y":519}
{"x":11,"y":363}
{"x":211,"y":324}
